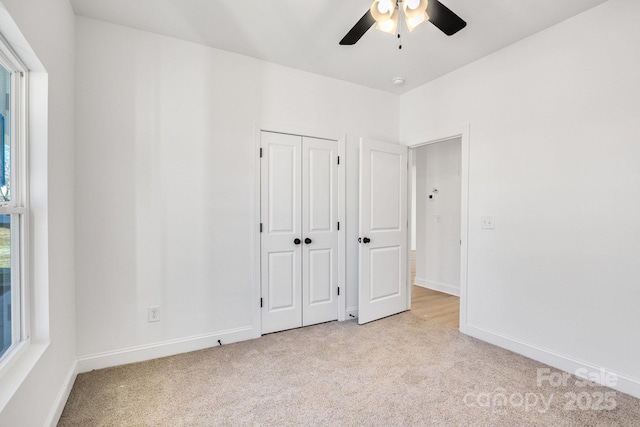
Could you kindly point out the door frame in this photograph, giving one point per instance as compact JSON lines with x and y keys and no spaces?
{"x":256,"y":254}
{"x":462,"y":132}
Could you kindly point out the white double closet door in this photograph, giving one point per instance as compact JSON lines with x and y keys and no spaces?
{"x":299,"y":238}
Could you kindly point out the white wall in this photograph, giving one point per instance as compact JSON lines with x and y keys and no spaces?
{"x":48,"y":27}
{"x":438,"y":218}
{"x":554,"y":151}
{"x":166,"y":177}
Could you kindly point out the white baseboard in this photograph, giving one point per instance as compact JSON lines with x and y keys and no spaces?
{"x":63,"y":395}
{"x":437,"y":286}
{"x":352,"y":313}
{"x":162,"y":349}
{"x":623,"y":383}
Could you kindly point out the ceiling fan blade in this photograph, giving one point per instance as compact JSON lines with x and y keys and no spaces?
{"x":443,"y":18}
{"x":358,"y":30}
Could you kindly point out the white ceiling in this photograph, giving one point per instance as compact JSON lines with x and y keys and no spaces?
{"x":304,"y":34}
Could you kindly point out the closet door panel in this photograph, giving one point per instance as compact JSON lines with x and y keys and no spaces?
{"x":319,"y":228}
{"x":281,"y":198}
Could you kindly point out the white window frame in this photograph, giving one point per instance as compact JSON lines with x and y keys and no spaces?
{"x":17,"y":207}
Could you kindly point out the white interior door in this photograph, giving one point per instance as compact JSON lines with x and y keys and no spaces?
{"x":281,"y":217}
{"x":319,"y":230}
{"x":299,"y":239}
{"x":383,"y":230}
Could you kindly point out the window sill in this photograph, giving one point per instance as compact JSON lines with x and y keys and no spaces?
{"x":17,"y":368}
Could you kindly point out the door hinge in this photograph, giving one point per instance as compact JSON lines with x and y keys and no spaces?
{"x":338,"y":159}
{"x":338,"y":225}
{"x":260,"y":151}
{"x":261,"y":227}
{"x":260,"y":302}
{"x":338,"y":290}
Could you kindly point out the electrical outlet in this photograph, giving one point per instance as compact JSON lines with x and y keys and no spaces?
{"x":153,"y":313}
{"x":488,"y":222}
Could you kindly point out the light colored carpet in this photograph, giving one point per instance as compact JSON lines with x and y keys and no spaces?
{"x":400,"y":371}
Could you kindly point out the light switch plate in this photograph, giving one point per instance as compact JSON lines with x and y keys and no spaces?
{"x":488,"y":222}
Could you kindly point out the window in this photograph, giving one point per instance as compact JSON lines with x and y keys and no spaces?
{"x":13,"y":199}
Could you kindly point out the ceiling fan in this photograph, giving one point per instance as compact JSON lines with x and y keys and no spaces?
{"x":384,"y":13}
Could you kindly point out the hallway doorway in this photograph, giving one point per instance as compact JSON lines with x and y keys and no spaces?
{"x":436,"y":173}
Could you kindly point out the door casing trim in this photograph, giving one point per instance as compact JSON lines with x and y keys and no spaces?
{"x":463,"y":132}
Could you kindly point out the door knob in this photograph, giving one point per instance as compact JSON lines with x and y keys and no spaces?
{"x":359,"y":239}
{"x":366,"y":240}
{"x":307,"y":240}
{"x":296,"y":241}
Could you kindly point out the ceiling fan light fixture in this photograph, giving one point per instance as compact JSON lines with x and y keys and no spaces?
{"x":383,"y":10}
{"x":414,"y":8}
{"x":413,"y":23}
{"x":415,"y":12}
{"x":390,"y":25}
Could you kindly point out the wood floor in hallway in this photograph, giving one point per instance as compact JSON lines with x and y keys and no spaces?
{"x":437,"y":306}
